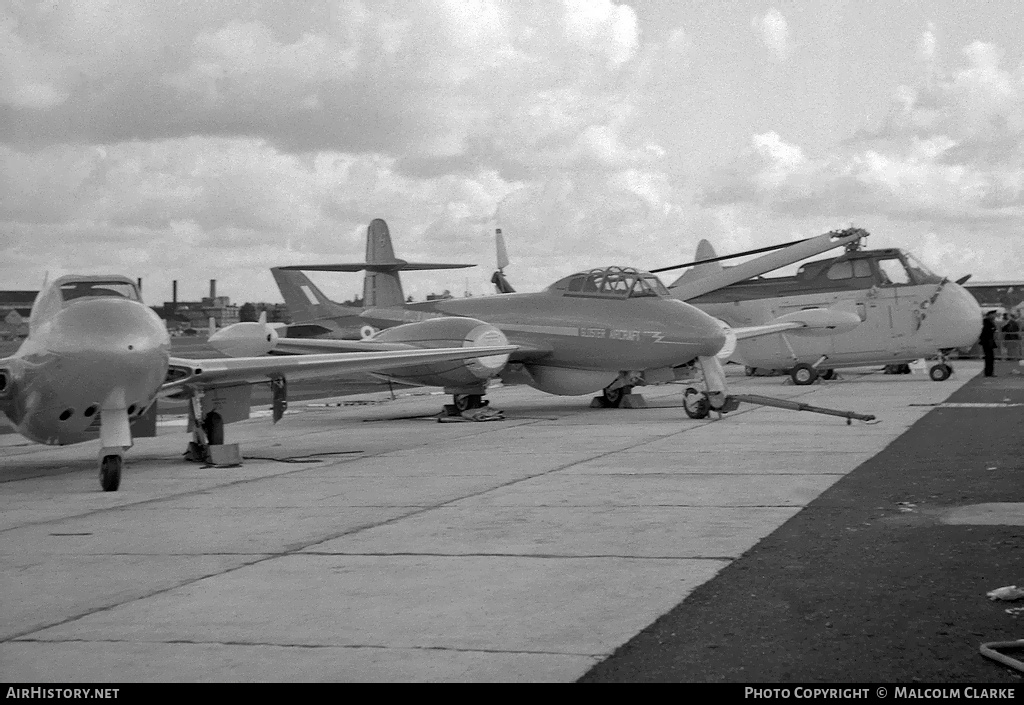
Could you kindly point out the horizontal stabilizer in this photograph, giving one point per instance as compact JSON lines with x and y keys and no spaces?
{"x":396,"y":266}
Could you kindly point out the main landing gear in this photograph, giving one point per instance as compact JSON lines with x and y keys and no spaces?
{"x":696,"y":404}
{"x":940,"y":372}
{"x":469,"y":407}
{"x":612,"y":398}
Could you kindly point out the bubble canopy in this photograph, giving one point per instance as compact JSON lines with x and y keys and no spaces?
{"x":611,"y":283}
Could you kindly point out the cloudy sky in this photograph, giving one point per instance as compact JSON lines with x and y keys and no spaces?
{"x":193,"y":140}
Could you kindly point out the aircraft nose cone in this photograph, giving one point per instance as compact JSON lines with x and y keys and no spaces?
{"x":958,"y":321}
{"x":709,"y":335}
{"x":702,"y":334}
{"x":107,"y":326}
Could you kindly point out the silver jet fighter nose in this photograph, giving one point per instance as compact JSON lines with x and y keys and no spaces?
{"x":107,"y":345}
{"x":685,"y":333}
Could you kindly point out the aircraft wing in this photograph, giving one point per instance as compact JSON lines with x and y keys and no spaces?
{"x":220,"y":372}
{"x":745,"y":332}
{"x":528,"y":352}
{"x":686,"y":290}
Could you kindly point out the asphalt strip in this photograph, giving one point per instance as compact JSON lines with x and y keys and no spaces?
{"x":871,"y":582}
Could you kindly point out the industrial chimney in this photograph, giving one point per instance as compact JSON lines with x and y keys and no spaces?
{"x":213,"y":288}
{"x":174,"y":292}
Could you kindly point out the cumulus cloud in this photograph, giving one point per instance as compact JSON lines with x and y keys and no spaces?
{"x":774,"y":33}
{"x":951,"y":150}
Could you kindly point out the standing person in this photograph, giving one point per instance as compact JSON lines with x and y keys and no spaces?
{"x":988,"y":342}
{"x":1011,"y":337}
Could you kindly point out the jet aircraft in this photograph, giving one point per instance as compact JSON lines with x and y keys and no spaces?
{"x":905,"y":312}
{"x":607,"y":329}
{"x":96,"y":359}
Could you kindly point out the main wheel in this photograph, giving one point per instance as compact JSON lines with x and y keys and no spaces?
{"x":696,"y":404}
{"x":110,"y":472}
{"x":749,"y":371}
{"x":465,"y":402}
{"x":803,"y":374}
{"x":213,"y":426}
{"x":612,"y":398}
{"x":828,"y":374}
{"x":940,"y":372}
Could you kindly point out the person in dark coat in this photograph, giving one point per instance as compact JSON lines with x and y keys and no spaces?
{"x":988,"y":342}
{"x":1011,"y":337}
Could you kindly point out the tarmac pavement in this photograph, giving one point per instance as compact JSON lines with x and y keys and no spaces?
{"x":366,"y":542}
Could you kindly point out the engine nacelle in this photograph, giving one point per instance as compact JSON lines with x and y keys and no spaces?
{"x":820,"y":321}
{"x":6,"y":384}
{"x":448,"y":332}
{"x":249,"y":339}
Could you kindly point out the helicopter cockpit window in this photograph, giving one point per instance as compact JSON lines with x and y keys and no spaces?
{"x":920,"y":273}
{"x":841,"y":270}
{"x":892,"y":272}
{"x":77,"y":290}
{"x":861,"y":268}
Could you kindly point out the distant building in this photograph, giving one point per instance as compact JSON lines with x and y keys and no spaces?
{"x":993,"y":294}
{"x":197,"y":314}
{"x":15,"y":309}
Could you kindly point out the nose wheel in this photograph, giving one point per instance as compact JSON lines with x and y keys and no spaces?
{"x":110,"y":472}
{"x":940,"y":372}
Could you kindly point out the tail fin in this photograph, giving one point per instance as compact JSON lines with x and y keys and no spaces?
{"x":381,"y":287}
{"x":704,"y":251}
{"x":303,"y":298}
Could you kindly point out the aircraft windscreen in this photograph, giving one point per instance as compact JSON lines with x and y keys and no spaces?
{"x":921,"y":274}
{"x":77,"y":290}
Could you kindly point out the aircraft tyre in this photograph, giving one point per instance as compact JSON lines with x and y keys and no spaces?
{"x":749,"y":371}
{"x":940,"y":372}
{"x":213,"y":425}
{"x":696,"y":404}
{"x":110,"y":472}
{"x":465,"y":402}
{"x":803,"y":374}
{"x":828,"y":374}
{"x":612,"y":398}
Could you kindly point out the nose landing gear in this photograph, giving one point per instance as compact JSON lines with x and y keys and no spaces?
{"x":110,"y":472}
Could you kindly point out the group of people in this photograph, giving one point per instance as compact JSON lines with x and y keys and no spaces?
{"x":992,"y":330}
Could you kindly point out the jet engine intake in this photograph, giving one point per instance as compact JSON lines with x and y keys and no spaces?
{"x":448,"y":332}
{"x":249,"y":339}
{"x":6,"y":384}
{"x":820,"y":321}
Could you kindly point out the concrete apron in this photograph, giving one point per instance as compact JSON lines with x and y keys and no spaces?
{"x":364,"y":547}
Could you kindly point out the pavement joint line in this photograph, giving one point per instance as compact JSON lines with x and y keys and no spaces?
{"x":259,"y":559}
{"x":538,"y":556}
{"x":313,"y":646}
{"x":296,"y":549}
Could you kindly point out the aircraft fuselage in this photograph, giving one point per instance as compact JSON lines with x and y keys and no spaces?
{"x":93,"y":353}
{"x":900,"y":321}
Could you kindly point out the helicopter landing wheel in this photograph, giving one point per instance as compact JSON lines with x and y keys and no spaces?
{"x":940,"y":372}
{"x":803,"y":374}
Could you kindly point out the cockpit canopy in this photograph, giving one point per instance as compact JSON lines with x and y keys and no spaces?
{"x":70,"y":287}
{"x":862,"y":269}
{"x":612,"y":283}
